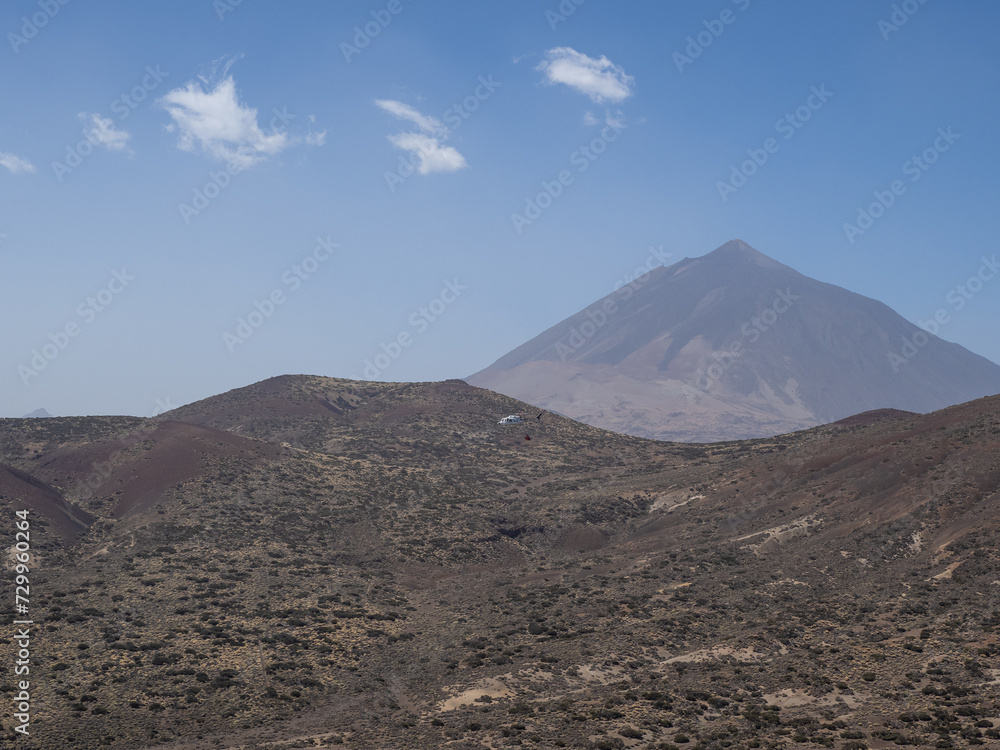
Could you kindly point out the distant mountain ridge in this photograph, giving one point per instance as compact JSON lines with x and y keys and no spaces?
{"x":734,"y":345}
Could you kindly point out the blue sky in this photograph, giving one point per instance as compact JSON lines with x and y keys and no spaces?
{"x":122,"y":291}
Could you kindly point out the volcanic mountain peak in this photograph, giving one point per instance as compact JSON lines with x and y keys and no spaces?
{"x":733,"y":255}
{"x":729,"y":345}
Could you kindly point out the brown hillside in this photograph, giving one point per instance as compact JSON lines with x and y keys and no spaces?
{"x":409,"y":574}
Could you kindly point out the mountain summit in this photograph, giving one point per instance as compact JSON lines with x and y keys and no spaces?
{"x":737,"y":251}
{"x":735,"y":345}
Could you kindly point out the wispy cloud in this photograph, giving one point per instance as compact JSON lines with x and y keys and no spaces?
{"x":15,"y":164}
{"x":426,"y":145}
{"x":215,"y":121}
{"x":426,"y":123}
{"x":616,"y":121}
{"x":433,"y":156}
{"x":600,"y":79}
{"x":101,"y":131}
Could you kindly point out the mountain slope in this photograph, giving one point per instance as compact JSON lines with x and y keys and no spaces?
{"x":734,"y":345}
{"x":71,"y":471}
{"x":44,"y":501}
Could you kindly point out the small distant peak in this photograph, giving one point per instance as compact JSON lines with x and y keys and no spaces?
{"x":738,"y":250}
{"x":736,"y":246}
{"x":37,"y":414}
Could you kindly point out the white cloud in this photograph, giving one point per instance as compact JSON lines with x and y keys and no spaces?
{"x":615,"y":121}
{"x":433,"y":156}
{"x":102,"y":132}
{"x":313,"y":139}
{"x":15,"y":164}
{"x":426,"y":145}
{"x":599,"y":79}
{"x":405,"y":112}
{"x":222,"y":127}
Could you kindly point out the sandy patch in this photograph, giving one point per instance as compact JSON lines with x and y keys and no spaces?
{"x":716,"y":652}
{"x":672,"y":501}
{"x":492,"y":687}
{"x":789,"y":580}
{"x":946,"y":573}
{"x":530,"y":684}
{"x":590,"y":673}
{"x":941,"y":552}
{"x":778,"y":534}
{"x":791,"y":698}
{"x":13,"y":560}
{"x":995,"y":674}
